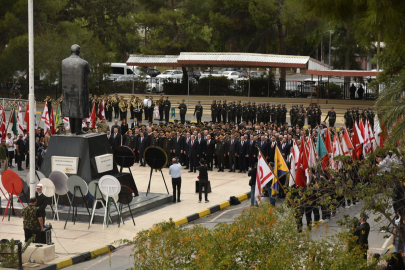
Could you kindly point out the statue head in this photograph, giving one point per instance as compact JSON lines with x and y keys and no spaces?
{"x":75,"y":49}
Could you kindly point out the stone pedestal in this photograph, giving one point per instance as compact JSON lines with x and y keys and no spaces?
{"x":43,"y":254}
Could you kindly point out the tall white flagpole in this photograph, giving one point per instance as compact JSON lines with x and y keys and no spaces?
{"x":31,"y":96}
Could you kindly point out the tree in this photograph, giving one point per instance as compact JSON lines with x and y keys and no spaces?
{"x":260,"y":238}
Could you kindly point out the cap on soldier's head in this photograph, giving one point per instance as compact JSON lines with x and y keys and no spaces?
{"x":214,"y":100}
{"x":333,"y":108}
{"x":199,"y":102}
{"x":224,"y":100}
{"x":348,"y":108}
{"x":254,"y":102}
{"x":301,"y":105}
{"x":167,"y":96}
{"x":183,"y":100}
{"x":239,"y":101}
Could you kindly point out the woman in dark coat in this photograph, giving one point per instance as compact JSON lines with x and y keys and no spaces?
{"x":124,"y":127}
{"x":203,"y":180}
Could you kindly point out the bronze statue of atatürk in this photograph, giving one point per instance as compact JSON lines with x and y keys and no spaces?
{"x":75,"y":87}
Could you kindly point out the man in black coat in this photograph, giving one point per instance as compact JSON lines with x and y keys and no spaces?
{"x":177,"y":145}
{"x":232,"y":153}
{"x":192,"y":154}
{"x":116,"y":139}
{"x":200,"y":146}
{"x":186,"y":159}
{"x":285,"y":148}
{"x":203,"y":180}
{"x":41,"y":201}
{"x":252,"y":151}
{"x":272,"y":149}
{"x":242,"y":153}
{"x":264,"y":146}
{"x":209,"y":152}
{"x":142,"y":144}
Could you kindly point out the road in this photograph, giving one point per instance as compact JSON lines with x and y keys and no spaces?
{"x":121,"y":258}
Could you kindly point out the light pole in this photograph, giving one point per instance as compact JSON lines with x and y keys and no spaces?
{"x":330,"y":42}
{"x":31,"y":96}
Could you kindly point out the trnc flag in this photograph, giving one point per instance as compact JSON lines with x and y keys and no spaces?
{"x":312,"y":154}
{"x":302,"y":167}
{"x":3,"y":127}
{"x":344,"y":143}
{"x":45,"y":118}
{"x":20,"y":120}
{"x":93,"y":118}
{"x":280,"y":168}
{"x":100,"y":114}
{"x":294,"y":154}
{"x":367,"y":143}
{"x":372,"y":137}
{"x":66,"y":121}
{"x":263,"y":176}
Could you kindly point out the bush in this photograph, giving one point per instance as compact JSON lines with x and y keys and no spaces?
{"x":260,"y":238}
{"x":11,"y":260}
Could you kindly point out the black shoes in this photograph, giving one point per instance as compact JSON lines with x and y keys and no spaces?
{"x":178,"y":200}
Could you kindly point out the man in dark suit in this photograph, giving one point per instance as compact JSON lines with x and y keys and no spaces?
{"x":200,"y":146}
{"x":203,"y":180}
{"x":116,"y":126}
{"x":135,"y":123}
{"x":177,"y":145}
{"x":285,"y":148}
{"x":142,"y":144}
{"x":232,"y":153}
{"x":242,"y":153}
{"x":116,"y":139}
{"x":264,"y":146}
{"x":192,"y":154}
{"x":109,"y":138}
{"x":252,"y":151}
{"x":186,"y":141}
{"x":209,"y":152}
{"x":272,"y":149}
{"x":41,"y":201}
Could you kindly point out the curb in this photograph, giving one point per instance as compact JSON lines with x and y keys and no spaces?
{"x":86,"y":256}
{"x":209,"y":211}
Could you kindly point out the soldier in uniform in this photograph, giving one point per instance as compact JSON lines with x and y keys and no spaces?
{"x":219,"y":111}
{"x":220,"y":152}
{"x":252,"y":113}
{"x":116,"y":107}
{"x":129,"y":140}
{"x":273,"y":114}
{"x":293,"y":116}
{"x":150,"y":109}
{"x":109,"y":109}
{"x":364,"y":115}
{"x":319,"y":114}
{"x":332,"y":117}
{"x":245,"y":112}
{"x":154,"y":140}
{"x":267,"y":113}
{"x":279,"y":114}
{"x":239,"y":111}
{"x":310,"y":116}
{"x":300,"y":119}
{"x":183,"y":111}
{"x":259,"y":113}
{"x":357,"y":115}
{"x":284,"y":114}
{"x":229,"y":111}
{"x":167,"y":104}
{"x":224,"y":111}
{"x":214,"y":111}
{"x":198,"y":112}
{"x":161,"y":105}
{"x":166,"y":145}
{"x":132,"y":106}
{"x":33,"y":223}
{"x":348,"y":119}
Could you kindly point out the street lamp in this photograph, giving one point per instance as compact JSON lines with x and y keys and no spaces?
{"x":330,"y":42}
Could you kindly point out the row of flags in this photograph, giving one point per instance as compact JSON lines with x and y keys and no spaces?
{"x":362,"y":142}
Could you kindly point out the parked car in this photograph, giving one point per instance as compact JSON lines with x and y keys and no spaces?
{"x":256,"y":74}
{"x":170,"y":74}
{"x":119,"y":69}
{"x":152,"y":72}
{"x":154,"y":86}
{"x":230,"y":69}
{"x":213,"y":73}
{"x":231,"y":75}
{"x":196,"y":74}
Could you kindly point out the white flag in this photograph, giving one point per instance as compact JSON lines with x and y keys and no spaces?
{"x":45,"y":118}
{"x":263,"y":176}
{"x":294,"y":160}
{"x":20,"y":120}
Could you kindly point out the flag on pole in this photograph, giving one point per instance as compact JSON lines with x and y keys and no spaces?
{"x":67,"y":123}
{"x":294,"y":154}
{"x":372,"y":137}
{"x":45,"y":119}
{"x":58,"y":118}
{"x":356,"y":153}
{"x":3,"y":127}
{"x":100,"y":113}
{"x":302,"y":167}
{"x":15,"y":130}
{"x":320,"y":147}
{"x":93,"y":118}
{"x":20,"y":120}
{"x":263,"y":176}
{"x":52,"y":122}
{"x":337,"y":151}
{"x":27,"y":116}
{"x":362,"y":130}
{"x":280,"y":168}
{"x":367,"y":143}
{"x":312,"y":154}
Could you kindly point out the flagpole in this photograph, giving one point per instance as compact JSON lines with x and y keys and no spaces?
{"x":271,"y":170}
{"x":11,"y":115}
